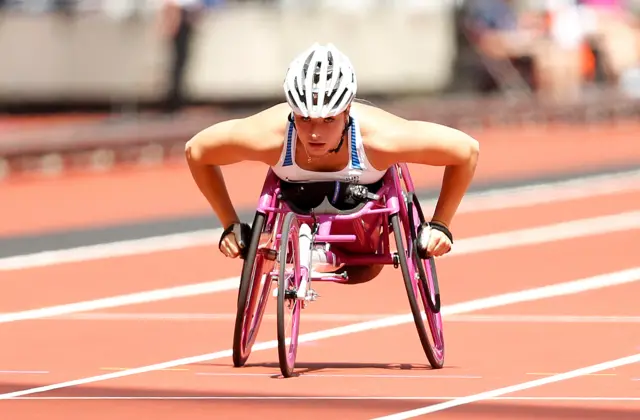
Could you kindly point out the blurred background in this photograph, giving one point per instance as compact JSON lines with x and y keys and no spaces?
{"x":95,"y":82}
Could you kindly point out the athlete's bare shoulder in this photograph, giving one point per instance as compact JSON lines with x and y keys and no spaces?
{"x":374,"y":120}
{"x":257,"y":137}
{"x":374,"y":123}
{"x":390,"y":139}
{"x":270,"y":120}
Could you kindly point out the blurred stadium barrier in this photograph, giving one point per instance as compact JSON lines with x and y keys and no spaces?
{"x":109,"y":51}
{"x":240,"y":52}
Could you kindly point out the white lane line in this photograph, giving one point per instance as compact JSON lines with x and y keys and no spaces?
{"x":513,"y":388}
{"x":561,"y":289}
{"x":555,"y":232}
{"x":493,"y":242}
{"x":504,"y":240}
{"x":23,"y":372}
{"x":191,"y":317}
{"x":346,"y":375}
{"x":112,"y":250}
{"x":552,"y":192}
{"x":319,"y":317}
{"x":543,"y":319}
{"x":123,"y":300}
{"x":326,"y":398}
{"x":501,"y":198}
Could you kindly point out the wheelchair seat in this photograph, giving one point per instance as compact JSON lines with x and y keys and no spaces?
{"x":327,"y":197}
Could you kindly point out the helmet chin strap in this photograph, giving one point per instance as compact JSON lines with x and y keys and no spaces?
{"x":344,"y":133}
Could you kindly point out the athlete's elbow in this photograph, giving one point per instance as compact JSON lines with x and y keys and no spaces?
{"x":193,"y":151}
{"x":201,"y":150}
{"x":464,"y":152}
{"x":473,"y":151}
{"x":213,"y":146}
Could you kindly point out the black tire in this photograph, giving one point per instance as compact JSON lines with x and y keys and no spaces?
{"x":241,"y":351}
{"x":398,"y":233}
{"x":434,"y":304}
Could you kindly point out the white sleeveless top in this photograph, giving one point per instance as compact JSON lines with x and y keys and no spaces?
{"x":358,"y":171}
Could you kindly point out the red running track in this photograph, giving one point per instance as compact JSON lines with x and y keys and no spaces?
{"x":383,"y":371}
{"x":363,"y":375}
{"x":78,"y":200}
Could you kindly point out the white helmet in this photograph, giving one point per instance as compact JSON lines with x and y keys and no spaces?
{"x":320,"y":82}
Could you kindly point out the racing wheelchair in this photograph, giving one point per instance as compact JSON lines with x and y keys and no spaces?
{"x":284,"y":237}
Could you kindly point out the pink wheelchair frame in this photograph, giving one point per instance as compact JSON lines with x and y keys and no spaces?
{"x":280,"y":251}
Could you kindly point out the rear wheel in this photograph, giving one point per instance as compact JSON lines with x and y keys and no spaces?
{"x":255,"y":286}
{"x":425,"y":286}
{"x":418,"y":291}
{"x":427,"y":282}
{"x":426,"y":268}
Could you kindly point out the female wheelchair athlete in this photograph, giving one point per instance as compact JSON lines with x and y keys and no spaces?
{"x":283,"y":237}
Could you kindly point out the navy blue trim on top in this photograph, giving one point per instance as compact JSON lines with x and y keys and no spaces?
{"x":355,"y":158}
{"x":288,"y":159}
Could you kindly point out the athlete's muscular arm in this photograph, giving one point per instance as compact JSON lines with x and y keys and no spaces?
{"x":224,"y":143}
{"x":436,"y":145}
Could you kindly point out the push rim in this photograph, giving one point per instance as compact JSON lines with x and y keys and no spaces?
{"x":426,"y":284}
{"x":420,"y":277}
{"x":252,"y":300}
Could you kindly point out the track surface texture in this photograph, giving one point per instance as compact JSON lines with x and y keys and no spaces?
{"x":539,"y":303}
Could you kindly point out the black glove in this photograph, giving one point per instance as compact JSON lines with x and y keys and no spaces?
{"x":422,"y":241}
{"x":242,"y":233}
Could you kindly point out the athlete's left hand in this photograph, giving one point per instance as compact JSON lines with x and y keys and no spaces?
{"x":438,"y":243}
{"x":433,"y":241}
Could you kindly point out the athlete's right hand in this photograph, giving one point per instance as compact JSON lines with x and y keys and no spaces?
{"x":234,"y":240}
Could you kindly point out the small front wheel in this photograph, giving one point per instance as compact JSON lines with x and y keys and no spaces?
{"x":289,"y":280}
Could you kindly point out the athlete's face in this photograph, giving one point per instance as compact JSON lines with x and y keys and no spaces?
{"x":319,"y":135}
